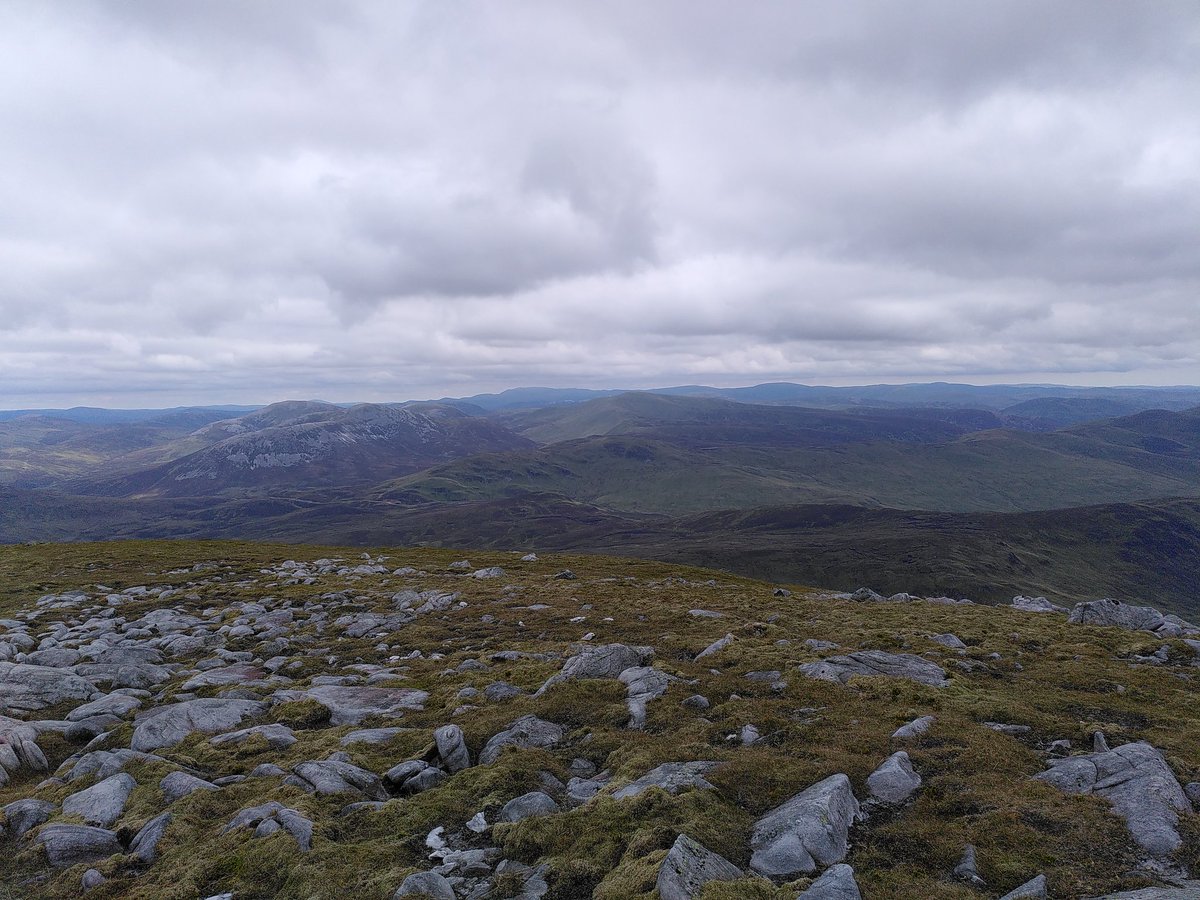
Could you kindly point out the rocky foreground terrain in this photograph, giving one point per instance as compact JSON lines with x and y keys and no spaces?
{"x":198,"y":720}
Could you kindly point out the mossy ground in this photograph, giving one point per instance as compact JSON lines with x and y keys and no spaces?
{"x":1064,"y":681}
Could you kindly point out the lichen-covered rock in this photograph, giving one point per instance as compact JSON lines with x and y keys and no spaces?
{"x":808,"y":831}
{"x":688,"y":867}
{"x":915,"y":728}
{"x":1139,"y":784}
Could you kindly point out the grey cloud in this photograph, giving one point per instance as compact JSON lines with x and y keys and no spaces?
{"x":376,"y":200}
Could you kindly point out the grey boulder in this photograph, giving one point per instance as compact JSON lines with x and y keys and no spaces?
{"x":837,"y":883}
{"x":350,"y":705}
{"x":179,"y":784}
{"x":166,"y":726}
{"x":671,"y":777}
{"x":21,"y":816}
{"x":603,"y":661}
{"x":689,"y":866}
{"x":535,"y":803}
{"x":26,"y":688}
{"x":69,"y":845}
{"x":525,"y":732}
{"x":452,"y":748}
{"x":1034,"y":889}
{"x":1116,"y":613}
{"x":876,"y":663}
{"x":1136,"y":780}
{"x":425,"y":884}
{"x":330,"y":776}
{"x":102,"y":803}
{"x":894,"y":781}
{"x":145,"y":843}
{"x":808,"y":831}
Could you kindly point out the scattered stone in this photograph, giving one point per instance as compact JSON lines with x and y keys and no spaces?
{"x":452,"y":748}
{"x":144,"y":846}
{"x":27,"y":688}
{"x":91,"y":879}
{"x":277,"y":737}
{"x":603,"y":661}
{"x":1116,"y":613}
{"x":949,"y":640}
{"x":688,"y":867}
{"x":696,"y":701}
{"x":808,"y":831}
{"x":642,"y":684}
{"x":22,"y":816}
{"x":330,"y":776}
{"x":1036,"y":605}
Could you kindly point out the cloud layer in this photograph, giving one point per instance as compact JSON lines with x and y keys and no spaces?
{"x":246,"y":202}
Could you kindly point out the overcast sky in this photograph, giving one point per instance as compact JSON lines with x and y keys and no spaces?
{"x":252,"y":201}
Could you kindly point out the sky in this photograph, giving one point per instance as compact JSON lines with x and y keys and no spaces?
{"x":231,"y":202}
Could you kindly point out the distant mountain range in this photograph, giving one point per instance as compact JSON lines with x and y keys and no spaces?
{"x":982,"y":492}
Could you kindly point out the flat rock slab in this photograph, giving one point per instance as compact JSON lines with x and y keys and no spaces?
{"x":807,"y":832}
{"x":166,"y":726}
{"x":238,"y":674}
{"x":25,"y":688}
{"x":672,"y":778}
{"x":689,"y":866}
{"x":328,"y":776}
{"x":1139,"y":784}
{"x":876,"y":663}
{"x":350,"y":705}
{"x":69,"y":845}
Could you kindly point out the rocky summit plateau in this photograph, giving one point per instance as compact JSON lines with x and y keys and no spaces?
{"x":230,"y":720}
